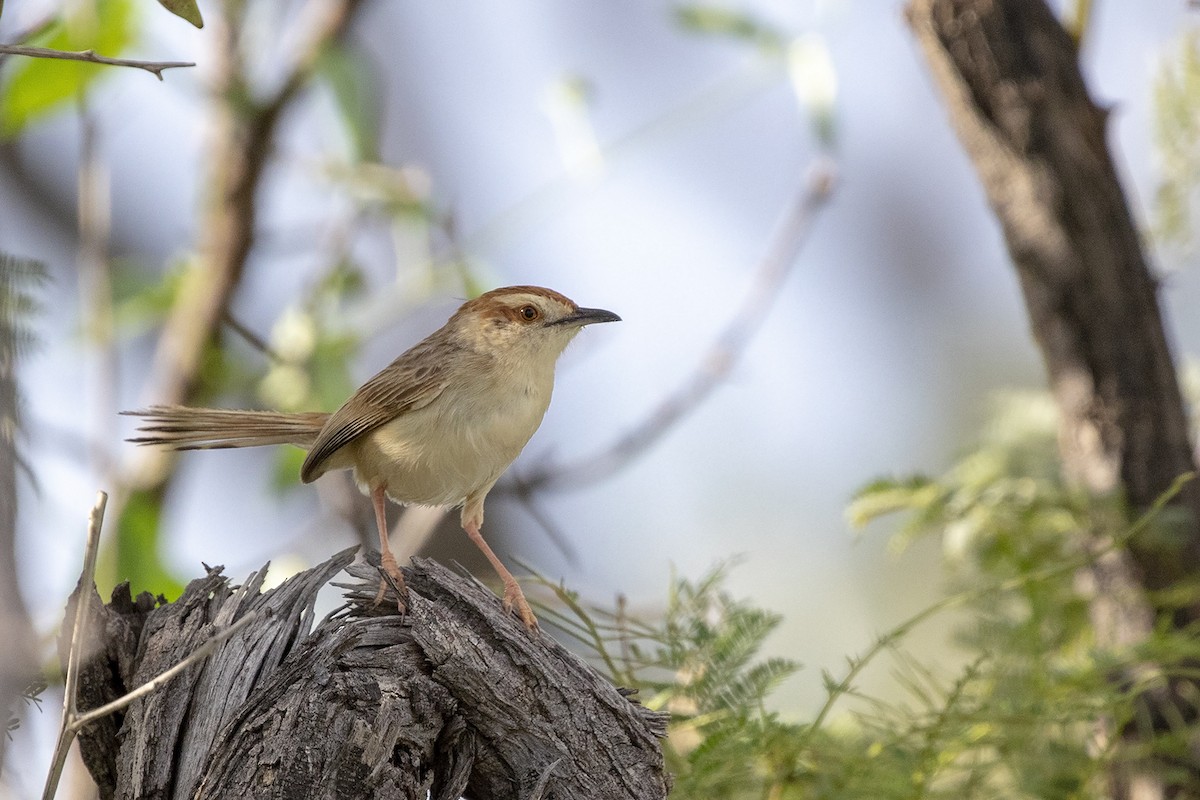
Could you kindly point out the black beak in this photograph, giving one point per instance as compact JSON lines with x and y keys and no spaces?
{"x":587,"y":316}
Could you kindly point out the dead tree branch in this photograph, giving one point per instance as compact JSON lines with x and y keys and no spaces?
{"x":84,"y":590}
{"x":454,"y":699}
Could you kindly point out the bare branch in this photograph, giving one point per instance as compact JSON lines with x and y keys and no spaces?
{"x":717,"y":362}
{"x":87,"y":577}
{"x":242,"y":144}
{"x":553,"y":532}
{"x":94,"y":214}
{"x":154,"y":67}
{"x":251,"y":338}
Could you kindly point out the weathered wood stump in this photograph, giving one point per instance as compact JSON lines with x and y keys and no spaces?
{"x":453,"y":699}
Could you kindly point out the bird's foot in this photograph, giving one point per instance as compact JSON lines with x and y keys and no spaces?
{"x":513,"y":596}
{"x":390,"y":575}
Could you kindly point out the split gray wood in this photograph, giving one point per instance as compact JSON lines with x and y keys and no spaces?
{"x":453,"y":699}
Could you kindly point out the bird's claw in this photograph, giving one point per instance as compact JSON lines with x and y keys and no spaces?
{"x":386,"y":580}
{"x":390,"y":575}
{"x":514,"y":597}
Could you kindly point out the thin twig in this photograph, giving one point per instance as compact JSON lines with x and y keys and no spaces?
{"x":66,"y":734}
{"x":543,"y":783}
{"x":154,"y":67}
{"x":553,"y":532}
{"x":623,"y":638}
{"x":253,"y":339}
{"x":595,"y":639}
{"x":717,"y":362}
{"x":95,"y":293}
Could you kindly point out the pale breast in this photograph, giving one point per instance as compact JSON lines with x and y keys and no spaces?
{"x":452,"y":448}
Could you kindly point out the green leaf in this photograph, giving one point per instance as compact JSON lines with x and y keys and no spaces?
{"x":184,"y":9}
{"x":472,"y":284}
{"x":135,"y":555}
{"x":21,"y":281}
{"x":140,"y":302}
{"x":888,"y":495}
{"x":1177,"y":132}
{"x":332,"y":382}
{"x":814,"y":80}
{"x":348,"y":75}
{"x":285,"y":472}
{"x":713,"y":20}
{"x":37,"y":87}
{"x":344,"y":280}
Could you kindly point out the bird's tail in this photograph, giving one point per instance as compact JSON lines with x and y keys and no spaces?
{"x":183,"y":428}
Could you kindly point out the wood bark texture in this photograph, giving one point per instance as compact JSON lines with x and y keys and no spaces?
{"x":1010,"y":76}
{"x":454,"y":698}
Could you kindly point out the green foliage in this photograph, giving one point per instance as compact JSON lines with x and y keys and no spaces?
{"x":20,"y":281}
{"x":805,"y":57}
{"x":348,"y":75}
{"x":139,"y":304}
{"x":1004,"y":499}
{"x":184,"y":9}
{"x":714,"y":20}
{"x":1020,"y":716}
{"x":698,"y":663}
{"x":814,"y":82}
{"x":36,"y":87}
{"x":31,"y":695}
{"x":311,"y":358}
{"x":399,"y":194}
{"x":135,"y":556}
{"x":1177,"y":135}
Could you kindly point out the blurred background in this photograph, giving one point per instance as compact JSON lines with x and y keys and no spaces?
{"x":635,"y":156}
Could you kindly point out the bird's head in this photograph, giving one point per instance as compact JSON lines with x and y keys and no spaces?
{"x":528,"y":323}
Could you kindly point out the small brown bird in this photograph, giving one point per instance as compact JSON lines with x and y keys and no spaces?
{"x":436,"y":427}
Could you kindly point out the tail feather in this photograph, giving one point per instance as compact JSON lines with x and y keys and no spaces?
{"x":183,"y":428}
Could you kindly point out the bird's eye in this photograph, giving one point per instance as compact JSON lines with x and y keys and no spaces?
{"x":529,"y":313}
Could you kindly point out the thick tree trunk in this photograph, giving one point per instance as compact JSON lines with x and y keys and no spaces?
{"x":455,"y":698}
{"x":1009,"y":74}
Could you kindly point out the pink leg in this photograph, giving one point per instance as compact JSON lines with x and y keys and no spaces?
{"x":387,"y":560}
{"x":513,"y":596}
